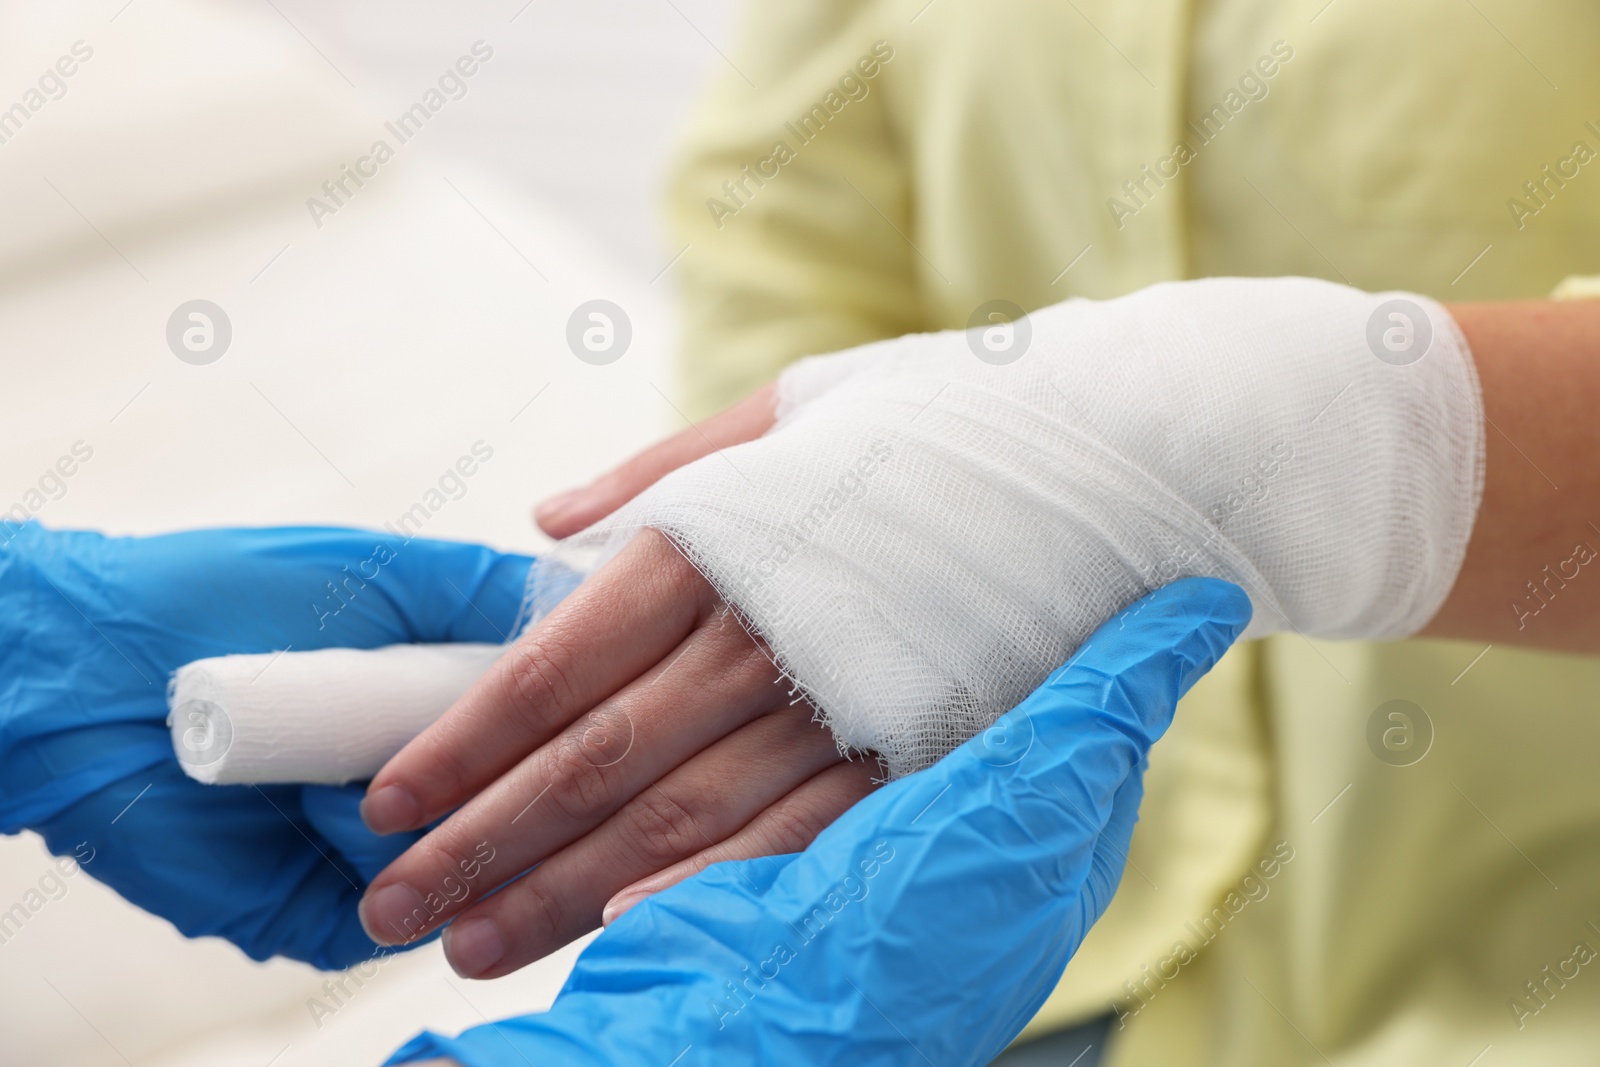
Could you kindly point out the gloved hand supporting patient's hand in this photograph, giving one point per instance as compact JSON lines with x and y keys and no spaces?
{"x":90,"y":629}
{"x":926,"y":925}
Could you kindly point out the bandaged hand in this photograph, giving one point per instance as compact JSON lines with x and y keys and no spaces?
{"x":637,"y":728}
{"x":926,"y":531}
{"x":923,"y":534}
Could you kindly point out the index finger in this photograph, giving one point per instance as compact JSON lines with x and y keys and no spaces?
{"x":613,"y":628}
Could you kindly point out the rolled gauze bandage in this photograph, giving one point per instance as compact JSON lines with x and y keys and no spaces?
{"x":330,"y":716}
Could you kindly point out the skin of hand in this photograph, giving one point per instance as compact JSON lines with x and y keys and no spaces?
{"x":578,"y":509}
{"x":796,"y":819}
{"x":638,"y":729}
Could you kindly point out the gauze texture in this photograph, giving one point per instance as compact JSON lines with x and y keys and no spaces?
{"x":329,"y":716}
{"x":925,"y":535}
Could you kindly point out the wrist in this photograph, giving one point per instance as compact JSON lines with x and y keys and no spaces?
{"x":1520,"y":582}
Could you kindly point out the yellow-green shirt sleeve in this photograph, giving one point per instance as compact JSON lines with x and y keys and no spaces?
{"x":787,"y":178}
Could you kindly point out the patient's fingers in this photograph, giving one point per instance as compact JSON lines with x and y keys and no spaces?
{"x":566,"y":514}
{"x":718,"y":681}
{"x":790,"y":825}
{"x":696,"y":806}
{"x":617,"y":625}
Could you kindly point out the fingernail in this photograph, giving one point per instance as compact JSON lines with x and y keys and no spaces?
{"x":617,"y":905}
{"x":557,"y":507}
{"x":473,"y":946}
{"x":390,"y":809}
{"x":393,"y":915}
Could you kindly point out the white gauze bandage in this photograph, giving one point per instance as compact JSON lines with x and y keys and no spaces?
{"x":331,"y":716}
{"x":926,"y":534}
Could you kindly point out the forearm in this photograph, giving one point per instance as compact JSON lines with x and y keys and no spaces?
{"x":1530,"y":575}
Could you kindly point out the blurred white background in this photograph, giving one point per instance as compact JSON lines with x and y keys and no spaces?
{"x":429,"y":312}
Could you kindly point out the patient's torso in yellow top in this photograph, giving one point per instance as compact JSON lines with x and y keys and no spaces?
{"x":1349,"y":853}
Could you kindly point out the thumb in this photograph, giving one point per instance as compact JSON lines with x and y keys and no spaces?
{"x":566,"y":514}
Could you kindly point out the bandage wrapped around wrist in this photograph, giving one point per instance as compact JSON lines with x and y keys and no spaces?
{"x":924,"y":535}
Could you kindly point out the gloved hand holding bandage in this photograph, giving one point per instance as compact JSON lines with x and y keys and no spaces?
{"x":924,"y":533}
{"x":90,"y":629}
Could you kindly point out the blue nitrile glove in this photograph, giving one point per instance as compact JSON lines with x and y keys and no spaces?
{"x":925,"y":926}
{"x":90,"y":629}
